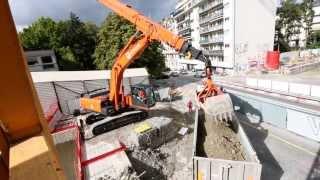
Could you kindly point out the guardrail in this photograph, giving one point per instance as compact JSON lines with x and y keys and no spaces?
{"x":299,"y":89}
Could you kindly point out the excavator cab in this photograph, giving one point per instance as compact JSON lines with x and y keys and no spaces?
{"x":143,"y":96}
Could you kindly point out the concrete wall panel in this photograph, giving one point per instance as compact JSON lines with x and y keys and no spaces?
{"x":264,"y":84}
{"x":302,"y":89}
{"x":274,"y":115}
{"x":252,"y":82}
{"x":304,"y":124}
{"x":280,"y":86}
{"x":315,"y":91}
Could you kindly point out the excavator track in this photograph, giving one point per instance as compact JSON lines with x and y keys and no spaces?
{"x":113,"y":122}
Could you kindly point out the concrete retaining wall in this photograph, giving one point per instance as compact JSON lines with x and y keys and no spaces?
{"x":298,"y":119}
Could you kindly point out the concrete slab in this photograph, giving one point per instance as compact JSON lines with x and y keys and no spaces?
{"x":111,"y":166}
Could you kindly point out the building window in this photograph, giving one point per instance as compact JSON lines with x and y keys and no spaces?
{"x":48,"y":66}
{"x":46,"y":59}
{"x":32,"y":61}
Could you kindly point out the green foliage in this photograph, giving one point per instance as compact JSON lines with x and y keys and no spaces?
{"x":314,"y":40}
{"x":82,"y":45}
{"x":40,"y":35}
{"x":72,"y":40}
{"x":114,"y":35}
{"x":289,"y":23}
{"x":307,"y":16}
{"x":293,"y":17}
{"x":79,"y":39}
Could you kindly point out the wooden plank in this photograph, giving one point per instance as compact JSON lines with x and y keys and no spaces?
{"x":18,"y":112}
{"x":30,"y":159}
{"x":21,"y":112}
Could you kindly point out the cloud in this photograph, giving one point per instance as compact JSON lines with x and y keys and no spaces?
{"x":27,"y":11}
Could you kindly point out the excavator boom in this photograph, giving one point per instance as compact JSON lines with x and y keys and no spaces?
{"x":145,"y":25}
{"x":148,"y":31}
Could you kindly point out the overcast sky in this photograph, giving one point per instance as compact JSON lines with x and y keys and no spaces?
{"x":27,"y":11}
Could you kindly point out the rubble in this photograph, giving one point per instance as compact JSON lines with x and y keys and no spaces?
{"x":218,"y":140}
{"x":127,"y":174}
{"x":151,"y":162}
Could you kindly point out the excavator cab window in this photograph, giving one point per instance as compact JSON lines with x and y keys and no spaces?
{"x":143,"y":95}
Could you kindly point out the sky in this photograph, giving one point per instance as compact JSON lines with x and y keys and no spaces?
{"x":27,"y":11}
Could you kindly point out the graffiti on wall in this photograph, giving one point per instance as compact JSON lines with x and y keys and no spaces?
{"x":315,"y":124}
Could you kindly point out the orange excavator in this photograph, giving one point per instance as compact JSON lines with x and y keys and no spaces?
{"x":115,"y":104}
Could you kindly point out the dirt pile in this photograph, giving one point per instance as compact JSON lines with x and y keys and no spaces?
{"x":218,"y":140}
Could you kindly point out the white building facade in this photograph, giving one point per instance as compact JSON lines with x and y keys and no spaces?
{"x":316,"y":18}
{"x":42,"y":60}
{"x":231,"y":33}
{"x":173,"y":59}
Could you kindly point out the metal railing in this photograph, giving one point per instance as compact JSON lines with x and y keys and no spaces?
{"x":185,"y":20}
{"x":212,"y":40}
{"x":211,"y":5}
{"x":211,"y":17}
{"x":184,"y":28}
{"x":211,"y":29}
{"x":213,"y":52}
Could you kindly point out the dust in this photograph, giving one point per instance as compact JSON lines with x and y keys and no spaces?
{"x":217,"y":140}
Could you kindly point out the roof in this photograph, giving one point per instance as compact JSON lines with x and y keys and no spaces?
{"x":55,"y":76}
{"x":39,"y":53}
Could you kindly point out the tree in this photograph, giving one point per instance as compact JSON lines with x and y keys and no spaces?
{"x":307,"y":16}
{"x":289,"y":24}
{"x":114,"y":35}
{"x":72,"y":40}
{"x":40,"y":35}
{"x":314,"y":40}
{"x":77,"y":43}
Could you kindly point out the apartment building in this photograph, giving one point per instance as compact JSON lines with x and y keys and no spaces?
{"x":173,"y":59}
{"x":231,"y":33}
{"x":41,"y":60}
{"x":316,"y":18}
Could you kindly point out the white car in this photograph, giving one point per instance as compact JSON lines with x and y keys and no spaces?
{"x":200,"y":74}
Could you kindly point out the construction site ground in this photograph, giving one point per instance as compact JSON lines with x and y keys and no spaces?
{"x":283,"y":155}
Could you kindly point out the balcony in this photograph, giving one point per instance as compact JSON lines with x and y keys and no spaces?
{"x":213,"y":52}
{"x":183,"y":21}
{"x":212,"y":41}
{"x":213,"y":17}
{"x":211,"y":6}
{"x":184,"y":28}
{"x":211,"y":29}
{"x":185,"y":34}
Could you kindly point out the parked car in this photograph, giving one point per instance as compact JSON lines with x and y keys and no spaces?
{"x":200,"y":74}
{"x":162,"y":76}
{"x":174,"y":73}
{"x":183,"y":72}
